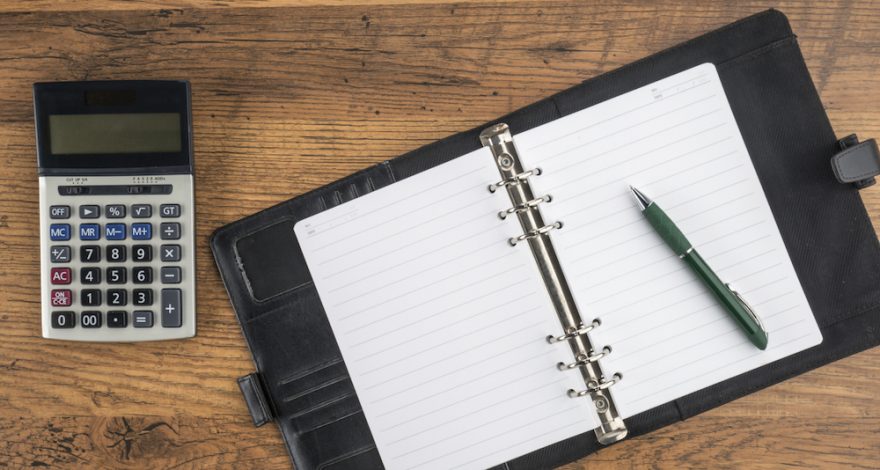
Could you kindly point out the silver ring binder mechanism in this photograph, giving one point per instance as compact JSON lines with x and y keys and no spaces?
{"x":525,"y":205}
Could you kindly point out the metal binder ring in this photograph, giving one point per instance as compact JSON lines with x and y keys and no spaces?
{"x":572,"y":332}
{"x":583,"y":359}
{"x":515,"y":179}
{"x":534,"y":233}
{"x":595,"y":387}
{"x":525,"y":206}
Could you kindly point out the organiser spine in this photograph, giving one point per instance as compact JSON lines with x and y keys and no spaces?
{"x":525,"y":206}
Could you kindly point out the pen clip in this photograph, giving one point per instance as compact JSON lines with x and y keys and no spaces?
{"x":749,"y":309}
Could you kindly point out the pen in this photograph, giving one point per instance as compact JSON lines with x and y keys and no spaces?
{"x":731,"y":300}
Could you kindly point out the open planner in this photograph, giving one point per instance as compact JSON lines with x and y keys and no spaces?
{"x":496,"y":298}
{"x":442,"y":311}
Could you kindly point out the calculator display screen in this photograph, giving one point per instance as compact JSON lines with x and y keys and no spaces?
{"x":114,"y":133}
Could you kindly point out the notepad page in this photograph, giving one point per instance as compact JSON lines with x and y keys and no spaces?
{"x":676,"y":140}
{"x":441,"y":323}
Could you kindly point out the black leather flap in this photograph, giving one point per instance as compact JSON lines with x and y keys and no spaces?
{"x":857,"y":162}
{"x":255,"y":397}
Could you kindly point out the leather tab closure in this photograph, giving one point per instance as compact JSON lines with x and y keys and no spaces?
{"x":856,"y":162}
{"x":256,"y":399}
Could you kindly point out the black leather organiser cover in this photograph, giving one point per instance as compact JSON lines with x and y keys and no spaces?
{"x":823,"y":223}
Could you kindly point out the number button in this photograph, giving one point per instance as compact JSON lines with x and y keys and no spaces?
{"x":63,"y":320}
{"x":89,"y":232}
{"x":169,"y":210}
{"x":172,"y":307}
{"x":59,"y":254}
{"x":171,"y":275}
{"x":141,"y":211}
{"x":89,"y":212}
{"x":170,"y":252}
{"x":115,"y":275}
{"x":115,"y":211}
{"x":117,"y":297}
{"x":143,"y":297}
{"x":142,"y":253}
{"x":59,"y":212}
{"x":142,"y":274}
{"x":90,"y":253}
{"x":142,"y":318}
{"x":114,"y":231}
{"x":117,"y":319}
{"x":142,"y":231}
{"x":59,"y":232}
{"x":90,"y":319}
{"x":116,"y":253}
{"x":90,"y":275}
{"x":169,"y":231}
{"x":90,"y":297}
{"x":61,"y":297}
{"x":60,"y":275}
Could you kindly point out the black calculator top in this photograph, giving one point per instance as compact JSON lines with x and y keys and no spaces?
{"x":116,"y":127}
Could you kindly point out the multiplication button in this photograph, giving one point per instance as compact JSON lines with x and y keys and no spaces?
{"x":170,"y":252}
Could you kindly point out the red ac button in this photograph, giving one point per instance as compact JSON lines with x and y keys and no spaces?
{"x":60,"y":275}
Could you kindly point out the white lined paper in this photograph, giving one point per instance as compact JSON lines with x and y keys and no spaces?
{"x":441,"y":322}
{"x":676,"y":140}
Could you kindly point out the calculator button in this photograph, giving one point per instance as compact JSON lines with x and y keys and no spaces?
{"x":59,"y":254}
{"x":90,"y":253}
{"x":63,"y":320}
{"x":171,"y":308}
{"x":142,"y":252}
{"x":89,"y":212}
{"x":170,"y":252}
{"x":61,"y":297}
{"x":169,"y":231}
{"x":89,"y":232}
{"x":117,"y":297}
{"x":117,"y":319}
{"x":59,"y":212}
{"x":60,"y":275}
{"x":171,"y":275}
{"x":114,"y":211}
{"x":116,"y":253}
{"x":142,"y":231}
{"x":141,"y":211}
{"x":114,"y":231}
{"x":169,"y":210}
{"x":142,"y":274}
{"x":90,"y":297}
{"x":90,"y":319}
{"x":142,"y":318}
{"x":116,"y":275}
{"x":90,"y":275}
{"x":143,"y":297}
{"x":59,"y":232}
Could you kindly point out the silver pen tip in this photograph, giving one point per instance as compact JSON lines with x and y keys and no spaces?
{"x":642,"y":200}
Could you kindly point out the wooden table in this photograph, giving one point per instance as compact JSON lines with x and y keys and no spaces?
{"x":293,"y":95}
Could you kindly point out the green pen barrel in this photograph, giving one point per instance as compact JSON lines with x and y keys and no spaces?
{"x":666,"y":229}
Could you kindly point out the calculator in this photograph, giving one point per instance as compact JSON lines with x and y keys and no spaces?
{"x":117,"y":225}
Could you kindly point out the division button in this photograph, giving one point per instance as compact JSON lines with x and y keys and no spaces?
{"x":169,"y":231}
{"x":171,"y":308}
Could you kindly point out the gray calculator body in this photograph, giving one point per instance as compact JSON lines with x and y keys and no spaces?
{"x":117,"y":218}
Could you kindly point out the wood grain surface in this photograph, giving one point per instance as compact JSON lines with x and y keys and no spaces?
{"x":289,"y":96}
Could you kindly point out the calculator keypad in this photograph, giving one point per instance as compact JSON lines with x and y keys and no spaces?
{"x":109,"y":276}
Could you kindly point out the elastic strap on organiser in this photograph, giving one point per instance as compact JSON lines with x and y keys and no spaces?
{"x":856,"y":162}
{"x":255,"y":397}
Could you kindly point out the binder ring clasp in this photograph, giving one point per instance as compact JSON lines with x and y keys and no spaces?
{"x":596,"y":386}
{"x":515,"y":179}
{"x":535,"y":233}
{"x":573,"y":332}
{"x":525,"y":206}
{"x":583,"y":359}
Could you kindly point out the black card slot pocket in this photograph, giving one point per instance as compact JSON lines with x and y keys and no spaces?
{"x":322,"y":396}
{"x":339,"y":442}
